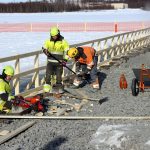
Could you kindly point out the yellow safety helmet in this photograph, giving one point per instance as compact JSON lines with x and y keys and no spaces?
{"x":72,"y":52}
{"x":54,"y":31}
{"x":8,"y":70}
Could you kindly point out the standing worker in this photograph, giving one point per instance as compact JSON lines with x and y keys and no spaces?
{"x":86,"y":59}
{"x":55,"y":48}
{"x":5,"y":89}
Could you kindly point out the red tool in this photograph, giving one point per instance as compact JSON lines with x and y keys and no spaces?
{"x":123,"y":82}
{"x":33,"y":99}
{"x":29,"y":102}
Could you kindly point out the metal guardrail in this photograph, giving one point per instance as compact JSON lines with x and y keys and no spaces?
{"x":107,"y":49}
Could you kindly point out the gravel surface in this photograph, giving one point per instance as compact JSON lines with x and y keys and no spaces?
{"x":82,"y":135}
{"x":94,"y":134}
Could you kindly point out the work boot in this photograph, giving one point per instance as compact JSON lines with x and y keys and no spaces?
{"x":77,"y":82}
{"x":59,"y":89}
{"x":95,"y":84}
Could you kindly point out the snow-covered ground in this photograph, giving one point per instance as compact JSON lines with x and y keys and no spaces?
{"x":120,"y":15}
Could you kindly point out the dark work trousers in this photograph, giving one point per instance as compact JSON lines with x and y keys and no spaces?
{"x":54,"y":69}
{"x":93,"y":72}
{"x":83,"y":67}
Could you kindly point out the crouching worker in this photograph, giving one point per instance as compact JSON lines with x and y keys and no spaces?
{"x":55,"y":48}
{"x":5,"y":89}
{"x":86,"y":59}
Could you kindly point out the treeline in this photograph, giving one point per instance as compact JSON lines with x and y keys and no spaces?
{"x":137,"y":3}
{"x":30,"y":7}
{"x":45,"y":6}
{"x":64,"y":5}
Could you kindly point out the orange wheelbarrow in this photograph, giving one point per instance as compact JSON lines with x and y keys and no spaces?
{"x":142,"y":80}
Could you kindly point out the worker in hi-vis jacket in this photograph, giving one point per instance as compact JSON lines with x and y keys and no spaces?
{"x":55,"y":47}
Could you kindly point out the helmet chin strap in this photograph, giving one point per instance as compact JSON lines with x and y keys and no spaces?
{"x":3,"y":74}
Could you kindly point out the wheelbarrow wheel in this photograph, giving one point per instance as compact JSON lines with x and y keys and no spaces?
{"x":135,"y":87}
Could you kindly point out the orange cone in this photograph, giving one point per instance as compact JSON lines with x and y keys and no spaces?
{"x":123,"y":82}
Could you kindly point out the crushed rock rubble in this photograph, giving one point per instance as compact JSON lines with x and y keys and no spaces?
{"x":79,"y":134}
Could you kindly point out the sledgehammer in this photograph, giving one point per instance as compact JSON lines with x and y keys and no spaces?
{"x":49,"y":54}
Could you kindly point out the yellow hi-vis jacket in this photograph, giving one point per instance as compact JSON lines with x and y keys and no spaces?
{"x":57,"y":48}
{"x":5,"y":92}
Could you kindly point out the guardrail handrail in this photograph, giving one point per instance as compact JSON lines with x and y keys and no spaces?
{"x":107,"y":48}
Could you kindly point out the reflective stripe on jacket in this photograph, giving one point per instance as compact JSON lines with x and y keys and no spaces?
{"x":5,"y":87}
{"x":5,"y":92}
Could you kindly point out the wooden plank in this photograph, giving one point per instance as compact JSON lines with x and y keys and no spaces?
{"x":76,"y":106}
{"x":4,"y":132}
{"x":79,"y":117}
{"x":22,"y":74}
{"x":60,"y":111}
{"x":10,"y":58}
{"x":39,"y":114}
{"x":65,"y":103}
{"x":78,"y":94}
{"x":116,"y":58}
{"x":31,"y":92}
{"x":16,"y":132}
{"x":81,"y":98}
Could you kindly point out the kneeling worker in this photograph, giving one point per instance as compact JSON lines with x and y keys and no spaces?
{"x":5,"y":89}
{"x":86,"y":59}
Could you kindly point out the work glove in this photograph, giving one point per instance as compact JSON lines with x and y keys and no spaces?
{"x":7,"y":107}
{"x":78,"y":73}
{"x":17,"y":99}
{"x":45,"y":51}
{"x":64,"y":63}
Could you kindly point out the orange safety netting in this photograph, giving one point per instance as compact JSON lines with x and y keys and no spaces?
{"x":74,"y":26}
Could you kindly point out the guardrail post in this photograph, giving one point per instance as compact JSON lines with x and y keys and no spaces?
{"x":17,"y":80}
{"x":112,"y":44}
{"x":98,"y":49}
{"x":123,"y":41}
{"x":36,"y":65}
